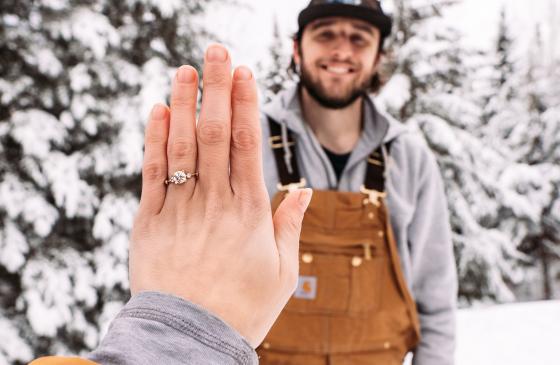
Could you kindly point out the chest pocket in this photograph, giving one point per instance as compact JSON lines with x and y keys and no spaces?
{"x":337,"y":281}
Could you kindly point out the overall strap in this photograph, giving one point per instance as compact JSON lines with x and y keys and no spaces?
{"x":285,"y":156}
{"x":374,"y":184}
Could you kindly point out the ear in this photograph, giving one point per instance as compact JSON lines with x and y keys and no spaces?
{"x":297,"y":58}
{"x":377,"y":61}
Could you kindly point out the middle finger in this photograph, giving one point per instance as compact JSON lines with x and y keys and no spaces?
{"x":214,"y":126}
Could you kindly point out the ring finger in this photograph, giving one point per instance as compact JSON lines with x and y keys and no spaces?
{"x":181,"y":144}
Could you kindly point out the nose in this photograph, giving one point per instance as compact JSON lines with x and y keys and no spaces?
{"x":342,"y":49}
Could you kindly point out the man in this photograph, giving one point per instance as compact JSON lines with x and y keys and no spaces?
{"x":377,"y":274}
{"x":210,"y":267}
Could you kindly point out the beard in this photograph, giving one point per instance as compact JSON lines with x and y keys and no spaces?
{"x":320,"y":93}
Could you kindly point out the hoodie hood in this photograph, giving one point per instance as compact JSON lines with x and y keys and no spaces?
{"x":285,"y":109}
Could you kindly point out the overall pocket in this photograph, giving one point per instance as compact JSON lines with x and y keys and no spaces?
{"x":336,"y":283}
{"x":324,"y":284}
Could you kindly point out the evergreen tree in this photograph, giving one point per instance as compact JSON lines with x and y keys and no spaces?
{"x":433,"y":90}
{"x":276,"y":77}
{"x":77,"y":79}
{"x":531,"y":138}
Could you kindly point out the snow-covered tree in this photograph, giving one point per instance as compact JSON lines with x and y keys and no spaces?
{"x":434,"y":88}
{"x":526,"y":120}
{"x":77,"y":79}
{"x":275,"y":75}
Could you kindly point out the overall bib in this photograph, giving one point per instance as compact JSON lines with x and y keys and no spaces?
{"x":352,"y":305}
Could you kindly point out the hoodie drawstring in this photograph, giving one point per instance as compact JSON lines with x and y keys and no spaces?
{"x":287,"y":151}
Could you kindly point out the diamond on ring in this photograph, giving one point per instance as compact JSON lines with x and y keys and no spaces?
{"x":180,"y":177}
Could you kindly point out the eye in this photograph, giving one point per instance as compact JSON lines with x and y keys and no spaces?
{"x":326,"y":35}
{"x":358,"y":40}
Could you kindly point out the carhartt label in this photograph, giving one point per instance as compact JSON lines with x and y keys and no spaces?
{"x":307,"y":288}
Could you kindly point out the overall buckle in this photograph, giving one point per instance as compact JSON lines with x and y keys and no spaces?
{"x":292,"y":186}
{"x":374,"y":196}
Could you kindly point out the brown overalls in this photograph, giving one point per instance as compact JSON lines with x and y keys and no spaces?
{"x":352,"y":305}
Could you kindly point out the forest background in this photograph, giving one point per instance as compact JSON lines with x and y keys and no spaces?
{"x":479,"y":80}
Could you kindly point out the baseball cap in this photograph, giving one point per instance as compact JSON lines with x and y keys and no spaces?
{"x":366,"y":10}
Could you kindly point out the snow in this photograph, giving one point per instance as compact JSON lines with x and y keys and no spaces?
{"x":527,"y":193}
{"x":54,"y":4}
{"x":513,"y":334}
{"x":395,"y":93}
{"x":115,"y":214}
{"x":48,"y":305}
{"x":80,"y":78}
{"x":74,"y":195}
{"x":36,"y":131}
{"x":167,"y":8}
{"x":13,"y":247}
{"x":48,"y":63}
{"x":156,"y":81}
{"x":14,"y":348}
{"x":112,"y":271}
{"x":56,"y":291}
{"x":94,"y":31}
{"x":21,"y":201}
{"x":10,"y":90}
{"x":81,"y":103}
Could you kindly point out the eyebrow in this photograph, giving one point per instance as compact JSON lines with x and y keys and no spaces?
{"x":325,"y":22}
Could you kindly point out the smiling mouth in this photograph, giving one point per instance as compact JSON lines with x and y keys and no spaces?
{"x":338,"y":70}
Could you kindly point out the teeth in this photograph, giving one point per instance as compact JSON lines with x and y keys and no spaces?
{"x":338,"y":70}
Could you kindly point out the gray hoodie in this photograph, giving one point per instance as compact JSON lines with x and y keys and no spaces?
{"x":416,"y":201}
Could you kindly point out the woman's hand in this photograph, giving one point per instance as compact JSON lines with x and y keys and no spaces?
{"x":213,"y":240}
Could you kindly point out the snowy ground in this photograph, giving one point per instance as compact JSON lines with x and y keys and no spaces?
{"x":513,"y":334}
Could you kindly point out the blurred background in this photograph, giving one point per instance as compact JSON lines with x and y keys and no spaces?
{"x":479,"y":79}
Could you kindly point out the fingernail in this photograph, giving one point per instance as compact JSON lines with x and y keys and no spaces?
{"x":185,"y":74}
{"x":242,"y":73}
{"x":216,"y":54}
{"x":158,"y":112}
{"x":305,"y":198}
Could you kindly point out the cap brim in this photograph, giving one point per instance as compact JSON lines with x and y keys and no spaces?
{"x":375,"y":18}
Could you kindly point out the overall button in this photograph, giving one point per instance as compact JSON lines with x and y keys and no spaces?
{"x":307,"y":258}
{"x":356,"y":261}
{"x":265,"y":345}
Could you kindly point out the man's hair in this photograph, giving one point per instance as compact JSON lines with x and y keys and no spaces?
{"x":375,"y":84}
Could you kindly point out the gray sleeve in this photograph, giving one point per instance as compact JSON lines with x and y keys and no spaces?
{"x":155,"y":328}
{"x":433,"y":269}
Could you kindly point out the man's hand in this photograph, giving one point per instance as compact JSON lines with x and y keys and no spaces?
{"x":213,"y":240}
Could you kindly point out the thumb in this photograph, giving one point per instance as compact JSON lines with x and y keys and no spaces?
{"x":287,"y":225}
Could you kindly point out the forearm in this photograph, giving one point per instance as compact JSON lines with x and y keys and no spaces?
{"x":437,"y":346}
{"x":158,"y":328}
{"x":155,"y":328}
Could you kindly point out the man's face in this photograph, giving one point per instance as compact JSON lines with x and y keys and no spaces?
{"x":338,"y":58}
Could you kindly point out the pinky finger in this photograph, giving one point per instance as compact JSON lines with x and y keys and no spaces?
{"x":154,"y":169}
